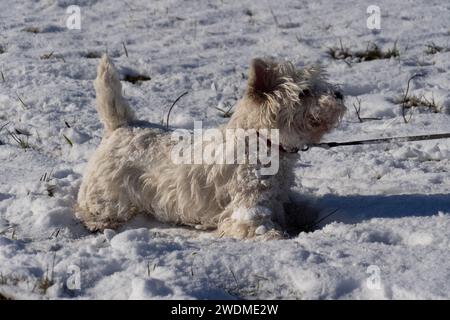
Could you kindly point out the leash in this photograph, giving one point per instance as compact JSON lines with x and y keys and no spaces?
{"x":328,"y":145}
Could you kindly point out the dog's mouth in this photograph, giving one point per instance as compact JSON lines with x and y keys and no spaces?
{"x":281,"y":147}
{"x":288,"y":149}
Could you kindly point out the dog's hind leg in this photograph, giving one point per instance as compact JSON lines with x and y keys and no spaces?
{"x":104,"y":199}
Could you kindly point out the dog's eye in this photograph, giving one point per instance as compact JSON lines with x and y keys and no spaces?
{"x":305,"y":92}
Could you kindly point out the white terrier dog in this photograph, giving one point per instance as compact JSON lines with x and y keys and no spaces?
{"x":132,"y":171}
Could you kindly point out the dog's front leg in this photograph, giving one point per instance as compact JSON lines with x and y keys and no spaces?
{"x":255,"y":211}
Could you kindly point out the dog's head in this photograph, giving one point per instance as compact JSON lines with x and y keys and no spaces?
{"x":298,"y":102}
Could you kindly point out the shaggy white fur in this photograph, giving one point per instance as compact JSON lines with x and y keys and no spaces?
{"x":132,"y":172}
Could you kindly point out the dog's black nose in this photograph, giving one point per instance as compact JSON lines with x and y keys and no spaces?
{"x":338,"y":95}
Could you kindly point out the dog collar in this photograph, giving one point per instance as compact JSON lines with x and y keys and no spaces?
{"x":280,"y":146}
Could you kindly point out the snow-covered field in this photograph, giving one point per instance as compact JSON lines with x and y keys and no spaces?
{"x":390,"y":238}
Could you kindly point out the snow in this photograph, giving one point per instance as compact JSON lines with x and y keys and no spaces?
{"x":390,"y":237}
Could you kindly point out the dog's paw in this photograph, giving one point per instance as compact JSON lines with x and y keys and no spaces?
{"x":247,"y":230}
{"x":262,"y":233}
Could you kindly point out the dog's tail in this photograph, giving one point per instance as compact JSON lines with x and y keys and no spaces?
{"x":112,"y":107}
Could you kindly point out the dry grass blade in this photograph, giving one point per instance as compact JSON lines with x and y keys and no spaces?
{"x":51,"y":190}
{"x":55,"y":233}
{"x":24,"y":105}
{"x":4,"y":125}
{"x":327,"y":216}
{"x":234,"y":277}
{"x":46,"y":177}
{"x":136,"y":78}
{"x":274,"y":18}
{"x":225,"y":113}
{"x":23,"y":143}
{"x":312,"y":226}
{"x":372,"y":52}
{"x":358,"y":109}
{"x":358,"y":112}
{"x":309,"y":227}
{"x":433,"y":48}
{"x":1,"y":128}
{"x":171,"y":107}
{"x":406,"y":96}
{"x":47,"y":281}
{"x":47,"y":56}
{"x":68,"y":140}
{"x":22,"y":132}
{"x":7,"y":229}
{"x":125,"y":48}
{"x":413,"y":101}
{"x":32,"y":29}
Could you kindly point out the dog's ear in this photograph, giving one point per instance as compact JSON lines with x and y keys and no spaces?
{"x":260,"y":78}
